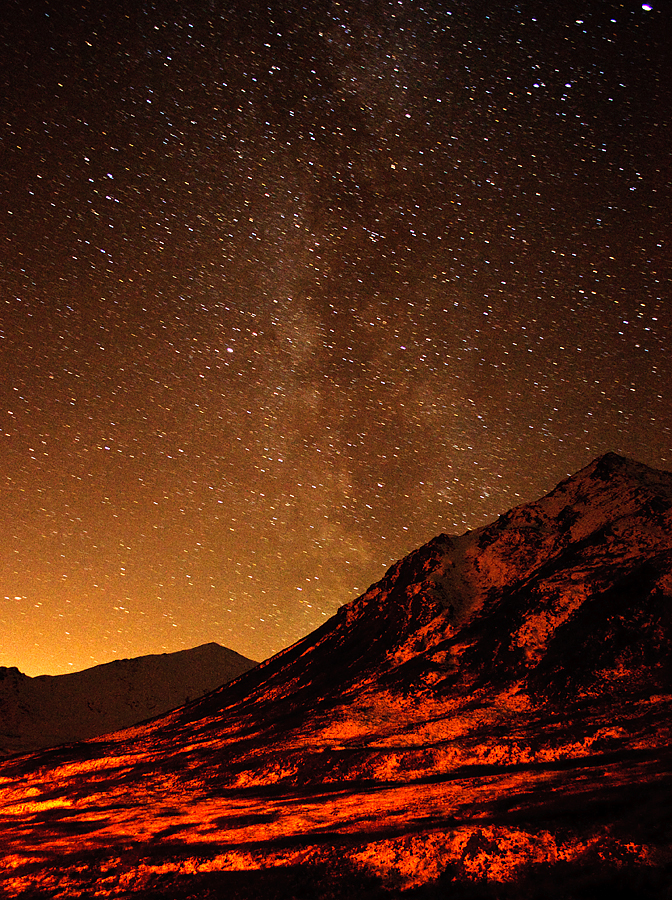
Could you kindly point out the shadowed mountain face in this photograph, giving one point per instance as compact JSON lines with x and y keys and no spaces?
{"x":490,"y":720}
{"x":56,"y":709}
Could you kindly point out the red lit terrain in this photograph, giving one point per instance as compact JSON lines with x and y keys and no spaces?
{"x":491,"y":720}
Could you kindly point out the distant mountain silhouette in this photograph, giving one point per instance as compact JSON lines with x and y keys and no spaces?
{"x":490,"y":720}
{"x":56,"y":709}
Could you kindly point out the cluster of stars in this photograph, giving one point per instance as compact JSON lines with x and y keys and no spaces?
{"x":285,"y":293}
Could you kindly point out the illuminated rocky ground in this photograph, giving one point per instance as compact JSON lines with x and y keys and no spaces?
{"x":490,"y":720}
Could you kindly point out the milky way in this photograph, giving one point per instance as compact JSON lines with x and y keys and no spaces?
{"x":285,"y":293}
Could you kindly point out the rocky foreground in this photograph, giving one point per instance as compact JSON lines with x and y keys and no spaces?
{"x":490,"y":720}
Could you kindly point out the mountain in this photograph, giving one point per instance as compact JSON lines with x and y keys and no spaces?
{"x":57,"y":709}
{"x":490,"y":720}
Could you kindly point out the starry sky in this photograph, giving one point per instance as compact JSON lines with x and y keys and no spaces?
{"x":285,"y":292}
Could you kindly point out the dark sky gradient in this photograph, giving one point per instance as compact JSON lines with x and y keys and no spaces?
{"x":285,"y":293}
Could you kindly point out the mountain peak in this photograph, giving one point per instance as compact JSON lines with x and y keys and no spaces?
{"x":612,"y":466}
{"x":48,"y":710}
{"x":614,"y":508}
{"x":613,"y":460}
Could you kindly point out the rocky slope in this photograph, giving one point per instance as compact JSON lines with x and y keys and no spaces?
{"x":492,"y":719}
{"x":57,"y":709}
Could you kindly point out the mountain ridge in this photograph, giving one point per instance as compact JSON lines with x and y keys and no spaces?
{"x":490,"y":554}
{"x":47,"y":710}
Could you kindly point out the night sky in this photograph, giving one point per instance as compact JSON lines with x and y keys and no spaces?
{"x":285,"y":293}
